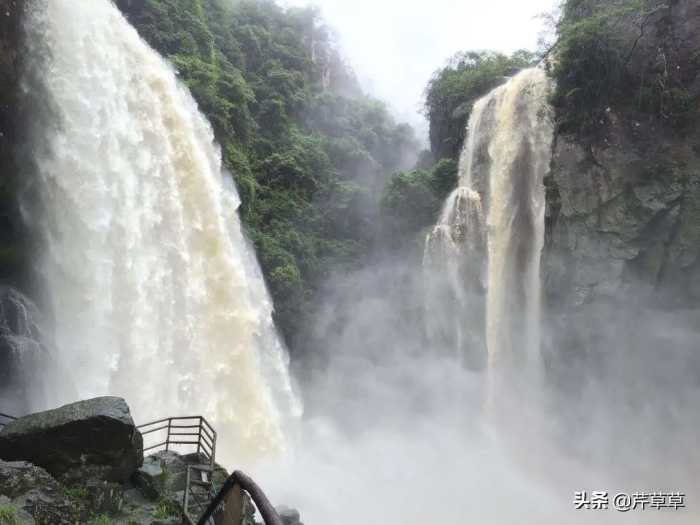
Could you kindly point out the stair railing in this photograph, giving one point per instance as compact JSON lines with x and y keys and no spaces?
{"x":194,"y":431}
{"x":226,"y":507}
{"x":190,"y":431}
{"x":231,"y":490}
{"x":5,"y":419}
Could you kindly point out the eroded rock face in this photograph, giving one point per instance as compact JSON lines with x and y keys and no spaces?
{"x":623,"y":206}
{"x":28,"y":374}
{"x":621,"y":264}
{"x":33,"y":496}
{"x":13,"y":238}
{"x":90,"y":439}
{"x":624,"y":218}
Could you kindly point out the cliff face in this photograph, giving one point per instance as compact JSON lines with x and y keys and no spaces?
{"x":623,"y":213}
{"x":624,"y":217}
{"x":12,"y":238}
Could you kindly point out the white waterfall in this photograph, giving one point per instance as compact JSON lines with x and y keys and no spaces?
{"x":156,"y":294}
{"x":492,"y":229}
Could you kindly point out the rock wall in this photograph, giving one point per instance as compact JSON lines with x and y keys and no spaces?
{"x":13,"y":238}
{"x":624,"y":217}
{"x":621,"y":266}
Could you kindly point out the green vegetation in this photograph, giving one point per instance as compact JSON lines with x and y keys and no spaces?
{"x":166,"y":508}
{"x":8,"y":515}
{"x":609,"y":56}
{"x":452,"y":91}
{"x":77,"y":492}
{"x":100,"y":519}
{"x":412,"y":200}
{"x":309,"y":153}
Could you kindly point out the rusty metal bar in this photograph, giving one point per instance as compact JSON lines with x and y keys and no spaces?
{"x":143,"y":433}
{"x":197,"y":494}
{"x":186,"y":498}
{"x":206,"y":432}
{"x":154,"y":446}
{"x":167,"y":440}
{"x":267,"y":511}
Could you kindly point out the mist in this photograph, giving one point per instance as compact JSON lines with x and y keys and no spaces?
{"x":394,"y":47}
{"x":406,"y":422}
{"x":396,"y":430}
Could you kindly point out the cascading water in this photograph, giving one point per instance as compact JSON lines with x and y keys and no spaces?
{"x":157,"y":296}
{"x":486,"y":246}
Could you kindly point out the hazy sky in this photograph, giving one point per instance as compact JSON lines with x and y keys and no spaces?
{"x":395,"y":45}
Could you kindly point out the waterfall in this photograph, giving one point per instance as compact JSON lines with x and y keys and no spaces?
{"x":156,"y":294}
{"x":484,"y":253}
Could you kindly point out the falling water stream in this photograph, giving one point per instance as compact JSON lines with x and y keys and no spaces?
{"x":491,"y":232}
{"x":156,"y":293}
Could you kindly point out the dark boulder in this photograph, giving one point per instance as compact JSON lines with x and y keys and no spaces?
{"x":289,"y":516}
{"x":94,"y":439}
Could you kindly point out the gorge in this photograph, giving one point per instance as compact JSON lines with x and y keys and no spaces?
{"x":190,"y":188}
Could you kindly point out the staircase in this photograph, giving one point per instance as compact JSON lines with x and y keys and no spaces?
{"x":202,"y":503}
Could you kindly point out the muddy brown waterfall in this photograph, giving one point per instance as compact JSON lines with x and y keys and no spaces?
{"x":156,"y":292}
{"x":489,"y":238}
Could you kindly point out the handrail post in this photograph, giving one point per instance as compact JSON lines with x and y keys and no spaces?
{"x":167,"y":439}
{"x":186,"y":497}
{"x":212,"y":460}
{"x":199,"y":438}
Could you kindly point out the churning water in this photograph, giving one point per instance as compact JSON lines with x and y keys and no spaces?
{"x":156,"y":293}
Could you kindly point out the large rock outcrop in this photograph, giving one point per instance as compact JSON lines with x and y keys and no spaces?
{"x":95,"y":438}
{"x":621,"y":264}
{"x":31,"y":496}
{"x":624,"y":217}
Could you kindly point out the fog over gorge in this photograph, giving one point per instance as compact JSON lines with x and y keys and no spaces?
{"x":376,"y":46}
{"x":401,"y":264}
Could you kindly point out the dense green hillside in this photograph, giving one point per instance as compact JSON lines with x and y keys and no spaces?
{"x":309,"y":152}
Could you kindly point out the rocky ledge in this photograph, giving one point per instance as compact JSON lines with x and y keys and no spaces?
{"x":83,"y":463}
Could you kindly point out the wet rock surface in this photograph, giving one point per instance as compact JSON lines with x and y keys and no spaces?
{"x":28,"y":377}
{"x":89,"y":439}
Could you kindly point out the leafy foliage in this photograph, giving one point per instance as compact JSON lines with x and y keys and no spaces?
{"x":412,"y":200}
{"x":8,"y":515}
{"x":165,"y":509}
{"x":309,"y":153}
{"x":452,"y":91}
{"x":613,"y":55}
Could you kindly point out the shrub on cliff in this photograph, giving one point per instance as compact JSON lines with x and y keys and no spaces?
{"x":452,"y":91}
{"x":618,"y":55}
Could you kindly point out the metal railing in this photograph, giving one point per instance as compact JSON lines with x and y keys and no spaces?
{"x":191,"y":431}
{"x":199,"y":491}
{"x":201,"y":505}
{"x":5,"y":419}
{"x":196,"y":433}
{"x":227,"y":507}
